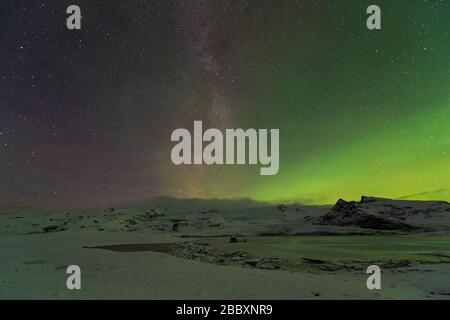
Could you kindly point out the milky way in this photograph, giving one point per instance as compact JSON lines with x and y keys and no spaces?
{"x":86,"y":115}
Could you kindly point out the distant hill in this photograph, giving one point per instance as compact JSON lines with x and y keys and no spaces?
{"x":197,"y":204}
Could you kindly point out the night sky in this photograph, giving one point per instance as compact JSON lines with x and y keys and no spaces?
{"x":86,"y":115}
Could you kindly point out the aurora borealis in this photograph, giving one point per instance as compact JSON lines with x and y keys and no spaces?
{"x":86,"y":116}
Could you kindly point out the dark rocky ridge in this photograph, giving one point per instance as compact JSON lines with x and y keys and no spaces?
{"x":356,"y":214}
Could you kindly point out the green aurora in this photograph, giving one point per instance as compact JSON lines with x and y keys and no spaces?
{"x":87,"y":115}
{"x":360,"y":112}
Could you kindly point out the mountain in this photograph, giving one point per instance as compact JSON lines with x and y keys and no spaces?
{"x":387,"y":214}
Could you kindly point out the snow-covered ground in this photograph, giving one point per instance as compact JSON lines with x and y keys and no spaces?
{"x":36,"y":248}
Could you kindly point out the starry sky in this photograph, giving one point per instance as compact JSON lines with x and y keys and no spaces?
{"x":86,"y":115}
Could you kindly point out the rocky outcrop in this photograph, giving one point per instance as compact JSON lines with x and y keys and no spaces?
{"x":351,"y":214}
